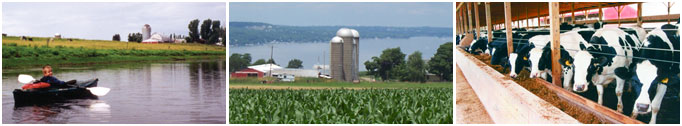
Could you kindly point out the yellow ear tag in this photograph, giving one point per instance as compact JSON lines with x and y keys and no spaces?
{"x":665,"y":81}
{"x":567,"y":63}
{"x":525,"y":58}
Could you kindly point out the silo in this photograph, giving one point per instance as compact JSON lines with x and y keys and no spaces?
{"x":356,"y":52}
{"x":336,"y":51}
{"x":347,"y":36}
{"x":146,"y":32}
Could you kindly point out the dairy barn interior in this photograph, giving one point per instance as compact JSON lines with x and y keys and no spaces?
{"x":567,"y":62}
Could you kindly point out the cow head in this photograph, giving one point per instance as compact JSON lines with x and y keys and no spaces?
{"x":645,"y":76}
{"x":537,"y":66}
{"x":585,"y":66}
{"x":518,"y":61}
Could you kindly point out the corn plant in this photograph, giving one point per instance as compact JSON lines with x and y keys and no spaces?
{"x":341,"y":106}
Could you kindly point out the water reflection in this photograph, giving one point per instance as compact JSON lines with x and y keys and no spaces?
{"x":179,"y":92}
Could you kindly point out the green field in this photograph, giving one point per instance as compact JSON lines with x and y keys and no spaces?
{"x":20,"y":54}
{"x":365,"y":106}
{"x":325,"y":83}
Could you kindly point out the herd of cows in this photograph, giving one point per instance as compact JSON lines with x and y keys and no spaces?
{"x":648,"y":62}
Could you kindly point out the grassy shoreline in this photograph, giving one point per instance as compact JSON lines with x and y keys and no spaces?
{"x":26,"y":54}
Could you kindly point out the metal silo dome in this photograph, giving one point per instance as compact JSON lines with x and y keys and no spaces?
{"x":336,"y":39}
{"x":344,"y":32}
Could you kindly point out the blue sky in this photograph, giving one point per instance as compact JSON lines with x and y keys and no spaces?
{"x":103,"y":20}
{"x":355,"y":14}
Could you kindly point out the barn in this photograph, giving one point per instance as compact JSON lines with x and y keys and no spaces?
{"x":566,"y":63}
{"x":255,"y":71}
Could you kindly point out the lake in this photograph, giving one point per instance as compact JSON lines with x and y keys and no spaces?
{"x":164,"y":92}
{"x":312,"y":53}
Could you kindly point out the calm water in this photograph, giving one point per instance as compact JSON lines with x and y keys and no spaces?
{"x":316,"y":53}
{"x":175,"y":92}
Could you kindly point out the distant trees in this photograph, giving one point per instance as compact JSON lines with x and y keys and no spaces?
{"x":259,"y":62}
{"x":271,"y":61}
{"x":391,"y":65}
{"x":116,"y":37}
{"x":209,"y":32}
{"x":193,"y":31}
{"x":441,"y":62}
{"x":205,"y":30}
{"x":415,"y":68}
{"x":383,"y":65}
{"x":239,"y":61}
{"x":295,"y":63}
{"x":223,"y":34}
{"x":135,"y":37}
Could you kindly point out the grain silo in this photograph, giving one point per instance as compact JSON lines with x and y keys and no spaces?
{"x":356,"y":56}
{"x":347,"y":36}
{"x":146,"y":32}
{"x":336,"y":66}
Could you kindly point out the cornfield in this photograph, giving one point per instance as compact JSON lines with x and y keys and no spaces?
{"x":346,"y":106}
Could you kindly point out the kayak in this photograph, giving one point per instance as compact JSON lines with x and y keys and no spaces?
{"x":50,"y":95}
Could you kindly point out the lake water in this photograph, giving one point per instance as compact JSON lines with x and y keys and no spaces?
{"x":316,"y":53}
{"x":169,"y":92}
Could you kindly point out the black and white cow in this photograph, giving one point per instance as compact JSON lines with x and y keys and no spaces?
{"x":541,"y":59}
{"x":607,"y":50}
{"x":478,"y":46}
{"x":652,"y":78}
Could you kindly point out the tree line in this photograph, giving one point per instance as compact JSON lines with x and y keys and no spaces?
{"x":242,"y":61}
{"x":391,"y":65}
{"x":209,"y":32}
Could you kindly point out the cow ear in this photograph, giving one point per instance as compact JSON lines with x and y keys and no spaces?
{"x":566,"y":62}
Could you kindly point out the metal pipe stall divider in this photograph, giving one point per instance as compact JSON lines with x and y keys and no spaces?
{"x":505,"y":100}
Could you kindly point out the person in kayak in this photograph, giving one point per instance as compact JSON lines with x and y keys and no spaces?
{"x":54,"y":82}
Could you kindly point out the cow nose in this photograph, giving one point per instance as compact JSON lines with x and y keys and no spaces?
{"x":513,"y":75}
{"x":642,"y":107}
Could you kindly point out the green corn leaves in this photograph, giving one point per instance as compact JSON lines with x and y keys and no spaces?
{"x":345,"y":106}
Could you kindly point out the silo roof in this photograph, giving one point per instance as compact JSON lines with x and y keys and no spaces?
{"x":344,"y":32}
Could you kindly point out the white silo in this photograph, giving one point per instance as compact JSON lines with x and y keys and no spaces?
{"x":356,"y":56}
{"x":347,"y":36}
{"x":336,"y":64}
{"x":146,"y":32}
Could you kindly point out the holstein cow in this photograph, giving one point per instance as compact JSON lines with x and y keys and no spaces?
{"x":478,"y":46}
{"x":519,"y":59}
{"x":607,"y":50}
{"x":498,"y":48}
{"x":652,"y":78}
{"x":541,"y":59}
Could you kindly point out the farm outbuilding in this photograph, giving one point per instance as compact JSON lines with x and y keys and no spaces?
{"x":547,"y":30}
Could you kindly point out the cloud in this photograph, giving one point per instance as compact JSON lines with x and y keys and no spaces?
{"x":103,"y":20}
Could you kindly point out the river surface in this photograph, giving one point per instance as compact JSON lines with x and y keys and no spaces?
{"x":312,"y":53}
{"x":168,"y":92}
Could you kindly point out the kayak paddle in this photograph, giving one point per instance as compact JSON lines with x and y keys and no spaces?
{"x":98,"y":91}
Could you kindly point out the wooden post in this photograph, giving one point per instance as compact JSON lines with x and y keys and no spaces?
{"x":555,"y":34}
{"x":572,"y":13}
{"x":669,"y":5}
{"x":639,"y":14}
{"x":618,"y":10}
{"x":471,"y":24}
{"x":478,"y":26}
{"x":488,"y":22}
{"x":507,"y":22}
{"x":466,"y":24}
{"x":585,"y":14}
{"x":600,"y":12}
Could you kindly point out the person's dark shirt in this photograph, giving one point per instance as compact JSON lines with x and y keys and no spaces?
{"x":54,"y":82}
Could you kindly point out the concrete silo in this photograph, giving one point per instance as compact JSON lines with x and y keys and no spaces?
{"x":347,"y":36}
{"x":146,"y":32}
{"x":336,"y":65}
{"x":356,"y":56}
